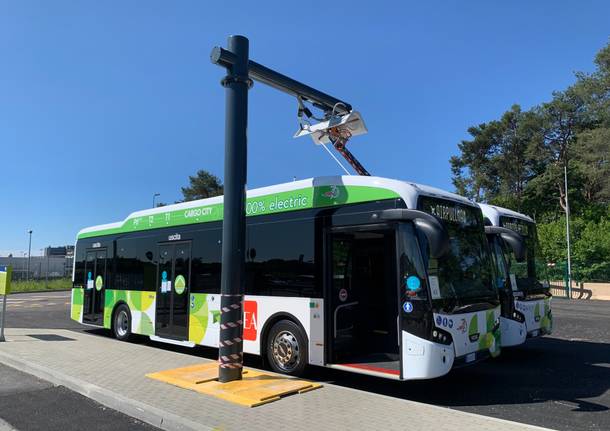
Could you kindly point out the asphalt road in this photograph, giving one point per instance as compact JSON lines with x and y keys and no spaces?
{"x":30,"y":404}
{"x":560,"y":381}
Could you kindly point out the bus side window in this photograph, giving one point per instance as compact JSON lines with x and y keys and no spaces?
{"x":129,"y":271}
{"x":280,"y":259}
{"x":79,"y":268}
{"x":205,"y":263}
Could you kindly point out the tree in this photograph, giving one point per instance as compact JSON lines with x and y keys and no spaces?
{"x":562,"y":119}
{"x":593,"y":158}
{"x":518,"y":162}
{"x":202,"y":185}
{"x":497,"y":164}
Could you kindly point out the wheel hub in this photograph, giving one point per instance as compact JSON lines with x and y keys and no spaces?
{"x":122,"y":323}
{"x":286,"y":350}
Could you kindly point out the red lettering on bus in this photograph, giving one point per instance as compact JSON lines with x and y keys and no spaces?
{"x":250,"y":320}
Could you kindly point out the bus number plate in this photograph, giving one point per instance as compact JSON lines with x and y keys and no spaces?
{"x":471,"y":357}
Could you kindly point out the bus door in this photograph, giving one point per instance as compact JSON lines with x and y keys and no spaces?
{"x":95,"y":285}
{"x":173,"y":281}
{"x":362,"y":298}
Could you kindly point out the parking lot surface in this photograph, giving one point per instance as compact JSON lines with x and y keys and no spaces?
{"x":559,"y":381}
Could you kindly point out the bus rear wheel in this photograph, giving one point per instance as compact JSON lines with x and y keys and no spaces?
{"x":287,"y":348}
{"x":121,"y":325}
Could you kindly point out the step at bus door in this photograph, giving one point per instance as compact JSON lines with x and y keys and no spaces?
{"x":173,"y":283}
{"x":95,"y":286}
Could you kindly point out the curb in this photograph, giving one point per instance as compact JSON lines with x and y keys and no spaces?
{"x":5,"y":426}
{"x":141,"y":411}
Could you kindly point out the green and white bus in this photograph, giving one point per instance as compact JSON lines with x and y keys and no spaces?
{"x":526,"y":303}
{"x":365,"y":274}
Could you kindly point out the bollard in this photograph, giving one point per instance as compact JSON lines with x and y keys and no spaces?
{"x":5,"y":289}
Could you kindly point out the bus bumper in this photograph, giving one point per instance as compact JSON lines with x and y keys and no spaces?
{"x":424,"y":359}
{"x":513,"y":332}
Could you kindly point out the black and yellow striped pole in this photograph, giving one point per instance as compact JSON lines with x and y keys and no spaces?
{"x":237,"y":83}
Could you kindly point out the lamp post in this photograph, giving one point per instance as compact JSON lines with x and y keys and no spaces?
{"x":565,"y":177}
{"x":27,"y":277}
{"x":154,"y":197}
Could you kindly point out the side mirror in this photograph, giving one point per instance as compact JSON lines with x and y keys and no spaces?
{"x":435,"y":232}
{"x":512,"y":238}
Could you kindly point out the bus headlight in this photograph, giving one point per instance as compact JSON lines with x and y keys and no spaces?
{"x":442,"y":337}
{"x":518,"y":316}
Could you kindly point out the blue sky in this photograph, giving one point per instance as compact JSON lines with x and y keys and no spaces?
{"x":103,"y":104}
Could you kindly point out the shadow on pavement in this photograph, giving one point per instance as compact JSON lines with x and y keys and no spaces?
{"x":547,"y":369}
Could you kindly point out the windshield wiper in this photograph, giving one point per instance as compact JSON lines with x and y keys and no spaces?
{"x":469,"y":308}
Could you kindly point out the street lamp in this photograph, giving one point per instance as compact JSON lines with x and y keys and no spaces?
{"x":565,"y":177}
{"x":27,"y":277}
{"x":154,"y":197}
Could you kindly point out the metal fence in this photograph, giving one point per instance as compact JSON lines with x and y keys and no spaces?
{"x":40,"y":267}
{"x":584,"y":284}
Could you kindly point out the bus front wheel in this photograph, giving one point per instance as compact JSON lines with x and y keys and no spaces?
{"x":122,"y":323}
{"x":287,"y":348}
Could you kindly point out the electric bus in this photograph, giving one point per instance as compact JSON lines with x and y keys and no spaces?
{"x":364,"y":274}
{"x":526,"y":308}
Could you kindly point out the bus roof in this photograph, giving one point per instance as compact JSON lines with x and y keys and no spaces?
{"x":308,"y":193}
{"x":493,"y":213}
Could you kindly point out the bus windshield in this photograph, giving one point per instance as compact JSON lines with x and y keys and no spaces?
{"x":525,"y":272}
{"x":499,"y":252}
{"x":465,"y":272}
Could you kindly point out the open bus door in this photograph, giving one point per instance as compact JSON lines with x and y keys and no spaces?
{"x":362,"y":300}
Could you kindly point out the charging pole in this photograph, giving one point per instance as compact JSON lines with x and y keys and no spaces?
{"x":240,"y":73}
{"x":237,"y":83}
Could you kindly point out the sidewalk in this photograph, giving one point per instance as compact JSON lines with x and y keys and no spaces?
{"x":113,"y":373}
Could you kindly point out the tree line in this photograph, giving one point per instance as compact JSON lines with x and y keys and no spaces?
{"x":519,"y":160}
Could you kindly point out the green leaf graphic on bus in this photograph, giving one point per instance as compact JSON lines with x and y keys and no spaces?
{"x":78,"y":295}
{"x":198,"y":318}
{"x":473,"y":328}
{"x":215,"y":315}
{"x":547,"y":320}
{"x":490,"y":320}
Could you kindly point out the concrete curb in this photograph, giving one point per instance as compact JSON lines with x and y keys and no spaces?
{"x":144,"y":412}
{"x":5,"y":426}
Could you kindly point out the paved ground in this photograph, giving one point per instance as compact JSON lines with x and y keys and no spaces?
{"x":560,"y":382}
{"x":113,"y":373}
{"x":29,"y":403}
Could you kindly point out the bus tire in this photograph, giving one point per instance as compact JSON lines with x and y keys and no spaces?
{"x":121,"y":323}
{"x":286,"y":350}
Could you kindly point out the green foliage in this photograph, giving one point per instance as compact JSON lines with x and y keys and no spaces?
{"x":202,"y":185}
{"x":39,"y":285}
{"x":518,"y":162}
